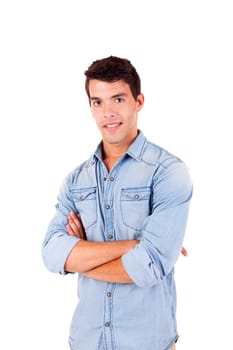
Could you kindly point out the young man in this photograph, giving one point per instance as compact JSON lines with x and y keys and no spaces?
{"x":120,"y":223}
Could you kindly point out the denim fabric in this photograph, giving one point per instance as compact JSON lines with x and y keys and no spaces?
{"x":146,"y":196}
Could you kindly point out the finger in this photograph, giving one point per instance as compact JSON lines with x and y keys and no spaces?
{"x":76,"y":218}
{"x":82,"y":227}
{"x":73,"y":229}
{"x":70,"y":231}
{"x":73,"y":233}
{"x":76,"y":225}
{"x":184,"y":251}
{"x":80,"y":222}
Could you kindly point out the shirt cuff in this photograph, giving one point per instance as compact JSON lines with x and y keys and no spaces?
{"x":56,"y":252}
{"x":138,"y":265}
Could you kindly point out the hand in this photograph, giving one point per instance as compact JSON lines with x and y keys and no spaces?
{"x":184,"y":251}
{"x":75,"y":227}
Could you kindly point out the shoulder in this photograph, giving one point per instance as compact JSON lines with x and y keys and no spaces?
{"x":170,"y":169}
{"x":156,"y":155}
{"x":73,"y":176}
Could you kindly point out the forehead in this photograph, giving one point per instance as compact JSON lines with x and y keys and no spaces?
{"x":102,"y":89}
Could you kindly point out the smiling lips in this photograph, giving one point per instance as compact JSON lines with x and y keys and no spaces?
{"x":112,"y":126}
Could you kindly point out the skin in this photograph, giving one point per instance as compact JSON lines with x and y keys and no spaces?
{"x":87,"y":255}
{"x":96,"y":258}
{"x":115,"y":112}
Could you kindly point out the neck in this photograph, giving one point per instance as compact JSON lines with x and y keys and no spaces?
{"x":112,"y":153}
{"x":111,"y":156}
{"x":116,"y":150}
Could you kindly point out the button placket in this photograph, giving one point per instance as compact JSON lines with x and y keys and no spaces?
{"x":108,"y":317}
{"x":108,"y":212}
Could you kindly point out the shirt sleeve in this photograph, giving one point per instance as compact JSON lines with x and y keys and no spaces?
{"x":163,"y":230}
{"x":57,"y":243}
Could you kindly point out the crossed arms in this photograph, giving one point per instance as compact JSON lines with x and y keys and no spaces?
{"x":98,"y":260}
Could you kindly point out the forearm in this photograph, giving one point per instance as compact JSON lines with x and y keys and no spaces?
{"x":112,"y":271}
{"x":86,"y":255}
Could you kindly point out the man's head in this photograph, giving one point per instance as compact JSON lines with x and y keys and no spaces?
{"x":114,"y":93}
{"x":112,"y":69}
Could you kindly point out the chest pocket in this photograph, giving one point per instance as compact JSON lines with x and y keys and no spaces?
{"x":85,"y":203}
{"x":135,"y":206}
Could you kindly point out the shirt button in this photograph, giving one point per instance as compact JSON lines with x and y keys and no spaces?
{"x":111,"y":178}
{"x":107,"y":324}
{"x":105,"y":178}
{"x":136,"y":196}
{"x":110,"y":236}
{"x":107,"y":206}
{"x":109,"y":294}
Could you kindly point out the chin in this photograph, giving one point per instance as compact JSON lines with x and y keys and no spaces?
{"x":112,"y":141}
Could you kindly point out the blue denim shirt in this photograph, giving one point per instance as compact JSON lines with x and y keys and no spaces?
{"x":146,"y":196}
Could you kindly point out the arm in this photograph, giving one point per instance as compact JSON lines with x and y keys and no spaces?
{"x":163,"y":230}
{"x":98,"y":260}
{"x":65,"y":248}
{"x":86,"y":255}
{"x":112,"y":271}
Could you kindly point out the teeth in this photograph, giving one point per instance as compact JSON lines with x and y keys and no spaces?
{"x":111,"y":125}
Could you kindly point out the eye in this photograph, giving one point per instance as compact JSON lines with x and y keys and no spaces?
{"x":119,"y":100}
{"x":95,"y":103}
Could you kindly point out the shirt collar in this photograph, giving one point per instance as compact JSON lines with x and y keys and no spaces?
{"x":135,"y":150}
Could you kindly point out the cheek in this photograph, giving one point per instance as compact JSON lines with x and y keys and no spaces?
{"x":95,"y":116}
{"x":97,"y":121}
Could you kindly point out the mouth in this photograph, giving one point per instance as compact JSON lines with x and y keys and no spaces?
{"x":112,"y":126}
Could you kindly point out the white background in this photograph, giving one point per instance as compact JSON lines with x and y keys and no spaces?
{"x":183,"y":53}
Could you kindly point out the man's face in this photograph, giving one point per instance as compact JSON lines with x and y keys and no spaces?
{"x":115,"y":111}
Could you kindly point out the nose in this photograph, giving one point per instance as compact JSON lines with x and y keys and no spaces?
{"x":108,"y":111}
{"x":109,"y":115}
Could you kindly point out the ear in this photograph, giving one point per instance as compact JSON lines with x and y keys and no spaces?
{"x":140,"y":102}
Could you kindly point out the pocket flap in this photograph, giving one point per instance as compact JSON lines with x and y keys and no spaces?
{"x":135,"y":194}
{"x":84,"y":194}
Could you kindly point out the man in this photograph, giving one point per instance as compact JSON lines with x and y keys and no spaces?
{"x":120,"y":223}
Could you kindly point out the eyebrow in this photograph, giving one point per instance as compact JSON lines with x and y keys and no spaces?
{"x":121,"y":94}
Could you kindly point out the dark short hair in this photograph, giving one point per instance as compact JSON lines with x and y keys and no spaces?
{"x":111,"y":69}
